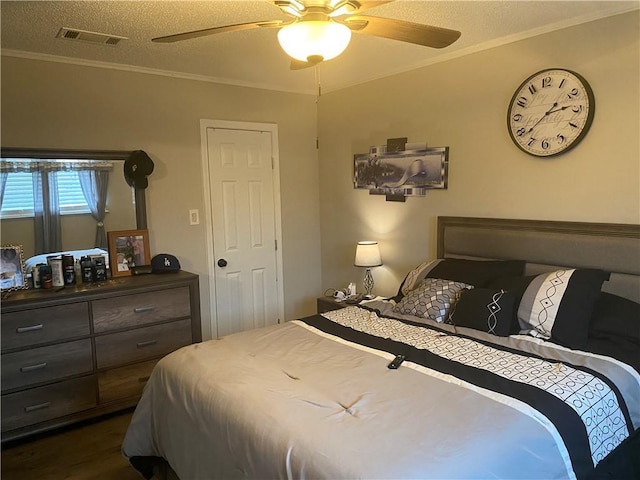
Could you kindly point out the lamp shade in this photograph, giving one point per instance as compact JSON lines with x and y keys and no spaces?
{"x":314,"y":38}
{"x":368,"y":254}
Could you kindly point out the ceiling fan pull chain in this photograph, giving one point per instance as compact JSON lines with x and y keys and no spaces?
{"x":319,"y":89}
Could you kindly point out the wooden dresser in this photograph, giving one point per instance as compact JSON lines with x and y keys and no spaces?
{"x":81,"y":352}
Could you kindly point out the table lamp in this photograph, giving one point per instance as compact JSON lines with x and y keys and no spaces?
{"x":368,"y":255}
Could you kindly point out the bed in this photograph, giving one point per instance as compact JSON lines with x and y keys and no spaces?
{"x":518,"y":351}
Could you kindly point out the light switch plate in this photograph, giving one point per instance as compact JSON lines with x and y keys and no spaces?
{"x":194,"y":217}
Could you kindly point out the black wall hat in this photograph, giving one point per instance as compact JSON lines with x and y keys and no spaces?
{"x":136,"y":169}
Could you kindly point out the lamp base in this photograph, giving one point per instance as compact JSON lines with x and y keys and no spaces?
{"x":368,"y":284}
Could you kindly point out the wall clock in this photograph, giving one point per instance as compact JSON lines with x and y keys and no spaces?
{"x":550,"y":112}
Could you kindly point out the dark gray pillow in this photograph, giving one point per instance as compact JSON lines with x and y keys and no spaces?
{"x":472,"y":272}
{"x":615,"y":316}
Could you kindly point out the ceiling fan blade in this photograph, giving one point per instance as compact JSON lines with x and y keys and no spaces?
{"x":366,"y":4}
{"x":410,"y":32}
{"x":340,"y":8}
{"x":224,"y":29}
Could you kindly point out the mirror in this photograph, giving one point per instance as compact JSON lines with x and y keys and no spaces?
{"x":126,"y":207}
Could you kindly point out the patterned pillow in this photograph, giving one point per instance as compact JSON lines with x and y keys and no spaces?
{"x":557,"y":305}
{"x":486,"y":310}
{"x":415,"y":276}
{"x":431,"y":299}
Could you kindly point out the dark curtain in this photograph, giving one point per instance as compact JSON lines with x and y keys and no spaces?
{"x":48,"y":231}
{"x":95,"y":185}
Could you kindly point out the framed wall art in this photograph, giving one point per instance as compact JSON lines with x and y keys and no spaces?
{"x":407,"y":172}
{"x":13,"y":275}
{"x":128,"y":249}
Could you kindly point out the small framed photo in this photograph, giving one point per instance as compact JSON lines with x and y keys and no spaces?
{"x":128,"y":249}
{"x":12,"y":271}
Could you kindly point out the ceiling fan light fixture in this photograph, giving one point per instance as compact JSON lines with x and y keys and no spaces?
{"x":314,"y":38}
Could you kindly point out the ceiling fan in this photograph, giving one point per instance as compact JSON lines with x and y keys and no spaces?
{"x":320,"y":30}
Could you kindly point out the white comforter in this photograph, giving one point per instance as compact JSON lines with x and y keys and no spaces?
{"x":298,"y":401}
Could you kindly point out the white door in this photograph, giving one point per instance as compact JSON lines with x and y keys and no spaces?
{"x":241,"y":186}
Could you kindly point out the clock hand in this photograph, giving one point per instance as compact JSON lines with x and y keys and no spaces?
{"x":547,"y":113}
{"x":543,"y":117}
{"x":558,"y":110}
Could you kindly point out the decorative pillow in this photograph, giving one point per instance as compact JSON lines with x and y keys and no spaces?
{"x":475,"y":272}
{"x":414,"y":277}
{"x":625,"y":350}
{"x":615,"y":316}
{"x":431,"y":299}
{"x":486,"y":310}
{"x":472,"y":272}
{"x":556,"y":305}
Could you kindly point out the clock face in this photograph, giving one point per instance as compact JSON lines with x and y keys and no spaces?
{"x":550,"y":112}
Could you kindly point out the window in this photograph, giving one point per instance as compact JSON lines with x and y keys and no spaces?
{"x":18,"y":195}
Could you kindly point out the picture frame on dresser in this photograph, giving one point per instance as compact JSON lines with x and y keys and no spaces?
{"x":128,"y":249}
{"x":13,"y":275}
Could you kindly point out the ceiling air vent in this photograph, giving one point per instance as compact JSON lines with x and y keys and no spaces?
{"x":89,"y":37}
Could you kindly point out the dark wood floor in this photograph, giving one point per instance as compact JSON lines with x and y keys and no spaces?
{"x":90,"y":451}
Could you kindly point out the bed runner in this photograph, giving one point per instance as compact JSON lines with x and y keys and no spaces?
{"x":574,"y":399}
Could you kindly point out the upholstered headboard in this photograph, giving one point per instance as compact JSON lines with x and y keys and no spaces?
{"x":546,"y":245}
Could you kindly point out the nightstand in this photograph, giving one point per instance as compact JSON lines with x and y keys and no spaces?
{"x":326,"y":304}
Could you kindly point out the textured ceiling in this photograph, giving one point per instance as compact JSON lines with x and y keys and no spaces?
{"x":253,"y":57}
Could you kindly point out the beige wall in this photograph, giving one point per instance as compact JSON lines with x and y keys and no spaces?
{"x":462,"y":104}
{"x":55,"y":105}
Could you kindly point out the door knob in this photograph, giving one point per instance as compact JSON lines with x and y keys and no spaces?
{"x":222,"y":262}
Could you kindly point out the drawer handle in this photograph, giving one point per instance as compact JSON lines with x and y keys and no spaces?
{"x":144,"y":309}
{"x":146,"y":344}
{"x":31,"y":368}
{"x":143,"y":379}
{"x":40,"y":406}
{"x":30,"y":328}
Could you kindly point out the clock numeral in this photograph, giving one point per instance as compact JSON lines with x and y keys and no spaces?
{"x":544,"y":144}
{"x":561,"y":138}
{"x":574,"y":125}
{"x":546,"y":82}
{"x":561,"y":83}
{"x":576,"y":109}
{"x":522,"y":101}
{"x":531,"y":141}
{"x":532,"y":89}
{"x":573,"y":93}
{"x":517,"y":117}
{"x":521,"y":131}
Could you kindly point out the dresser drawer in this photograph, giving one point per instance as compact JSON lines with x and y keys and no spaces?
{"x":45,"y":403}
{"x":124,"y":382}
{"x":142,"y":343}
{"x":140,"y":309}
{"x":42,"y":364}
{"x":40,"y":325}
